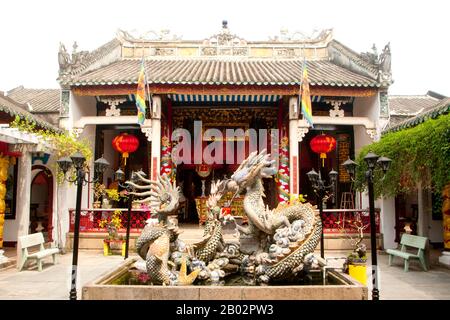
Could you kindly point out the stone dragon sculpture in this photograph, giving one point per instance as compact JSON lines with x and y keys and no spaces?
{"x":154,"y":243}
{"x":275,"y":245}
{"x":287,"y":235}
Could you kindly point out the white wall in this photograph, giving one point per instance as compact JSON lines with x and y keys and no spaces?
{"x":366,"y":107}
{"x":66,"y":194}
{"x":435,"y":227}
{"x":387,"y":222}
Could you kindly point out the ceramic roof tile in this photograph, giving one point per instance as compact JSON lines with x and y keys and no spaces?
{"x":217,"y":71}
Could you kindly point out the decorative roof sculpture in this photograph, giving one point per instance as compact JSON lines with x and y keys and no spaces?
{"x":225,"y":59}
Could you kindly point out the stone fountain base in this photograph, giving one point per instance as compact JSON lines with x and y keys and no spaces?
{"x":102,"y":289}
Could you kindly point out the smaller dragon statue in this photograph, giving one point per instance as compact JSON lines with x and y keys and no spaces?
{"x":155,"y":242}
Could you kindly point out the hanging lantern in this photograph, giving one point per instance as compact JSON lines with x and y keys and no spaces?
{"x":125,"y":144}
{"x":323,"y":144}
{"x":203,"y":170}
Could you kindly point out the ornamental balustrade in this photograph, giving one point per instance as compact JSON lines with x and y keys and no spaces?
{"x":90,"y":218}
{"x":334,"y":220}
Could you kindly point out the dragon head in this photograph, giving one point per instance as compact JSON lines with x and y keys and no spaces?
{"x":256,"y":166}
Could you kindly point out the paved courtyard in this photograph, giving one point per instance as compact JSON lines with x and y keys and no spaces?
{"x":395,"y":284}
{"x":54,"y":281}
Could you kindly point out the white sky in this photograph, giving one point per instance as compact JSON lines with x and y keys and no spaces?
{"x":419,"y":31}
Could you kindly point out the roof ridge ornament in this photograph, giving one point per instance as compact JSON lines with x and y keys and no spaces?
{"x":70,"y":62}
{"x":384,"y":63}
{"x":150,"y":35}
{"x":225,"y":38}
{"x":224,"y":43}
{"x":315,"y":37}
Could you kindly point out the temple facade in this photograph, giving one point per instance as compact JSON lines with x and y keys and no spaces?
{"x":220,"y":83}
{"x":27,"y":170}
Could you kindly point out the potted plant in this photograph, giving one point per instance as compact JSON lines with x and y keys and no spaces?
{"x":355,"y":264}
{"x":114,"y":240}
{"x":99,"y":191}
{"x":111,"y":195}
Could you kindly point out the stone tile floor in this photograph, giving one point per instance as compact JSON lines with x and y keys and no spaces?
{"x":54,"y":281}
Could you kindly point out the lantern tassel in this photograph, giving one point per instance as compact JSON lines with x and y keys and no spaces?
{"x":323,"y":156}
{"x":125,"y":156}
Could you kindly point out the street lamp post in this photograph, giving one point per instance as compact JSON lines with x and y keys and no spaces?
{"x":120,"y":176}
{"x":371,"y":160}
{"x":77,"y":160}
{"x":320,"y":189}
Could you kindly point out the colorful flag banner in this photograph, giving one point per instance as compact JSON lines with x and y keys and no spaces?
{"x":306,"y":97}
{"x":140,"y":94}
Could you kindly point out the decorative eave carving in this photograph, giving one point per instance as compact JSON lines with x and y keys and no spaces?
{"x":77,"y":131}
{"x":301,"y":132}
{"x":113,"y":102}
{"x":147,"y":129}
{"x":336,"y":103}
{"x":372,"y":133}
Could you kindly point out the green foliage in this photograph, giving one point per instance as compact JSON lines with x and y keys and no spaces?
{"x":64,"y":144}
{"x":419,"y":154}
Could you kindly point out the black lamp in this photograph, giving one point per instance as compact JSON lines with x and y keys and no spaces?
{"x":313,"y":177}
{"x":64,"y":164}
{"x":119,"y":175}
{"x":333,"y":176}
{"x":78,"y":160}
{"x":100,"y":165}
{"x":350,"y":166}
{"x":384,"y":163}
{"x":371,"y":160}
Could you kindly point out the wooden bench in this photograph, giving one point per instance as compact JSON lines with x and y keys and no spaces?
{"x":31,"y":240}
{"x":415,"y":242}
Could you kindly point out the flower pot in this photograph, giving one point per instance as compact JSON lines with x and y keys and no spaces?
{"x":106,"y":204}
{"x":106,"y":249}
{"x":110,"y":245}
{"x":358,"y":272}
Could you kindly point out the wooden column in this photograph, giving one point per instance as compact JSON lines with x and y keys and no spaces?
{"x":4,"y":165}
{"x":23,"y":192}
{"x":156,"y":138}
{"x":293,"y":145}
{"x":422,"y":219}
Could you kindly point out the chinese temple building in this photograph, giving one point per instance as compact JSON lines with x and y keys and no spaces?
{"x":227,"y":82}
{"x":27,"y":178}
{"x":421,"y":211}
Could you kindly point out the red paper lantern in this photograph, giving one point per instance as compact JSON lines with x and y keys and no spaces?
{"x":125,"y":144}
{"x":203,"y":170}
{"x":323,"y":144}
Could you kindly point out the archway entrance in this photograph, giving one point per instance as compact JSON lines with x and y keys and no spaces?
{"x":41,"y":205}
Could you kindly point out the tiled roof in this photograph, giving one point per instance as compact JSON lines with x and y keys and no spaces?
{"x":40,"y":100}
{"x":15,"y":109}
{"x":442,"y":107}
{"x":355,"y":57}
{"x":222,"y":71}
{"x":411,"y":105}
